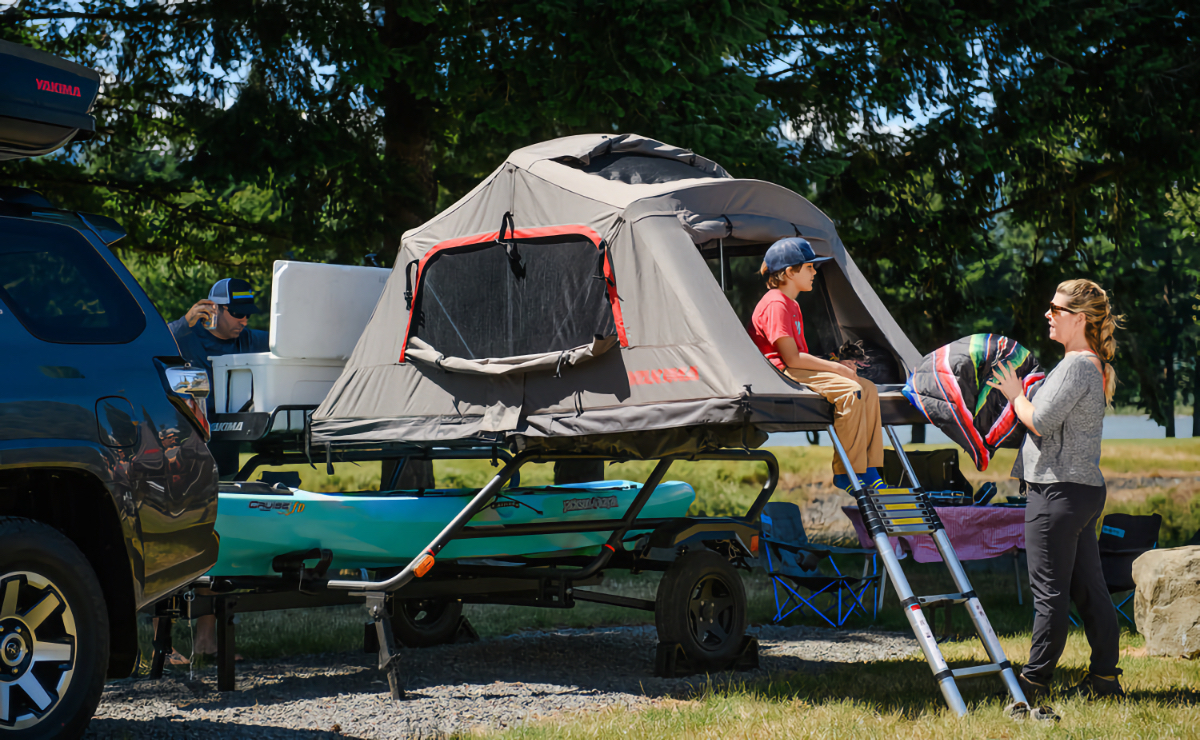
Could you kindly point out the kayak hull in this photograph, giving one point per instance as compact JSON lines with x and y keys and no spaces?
{"x":378,"y":531}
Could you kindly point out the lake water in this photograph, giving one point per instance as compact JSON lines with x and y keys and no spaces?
{"x":1115,"y":427}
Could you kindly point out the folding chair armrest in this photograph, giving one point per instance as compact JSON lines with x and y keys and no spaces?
{"x":820,"y":550}
{"x":837,"y":550}
{"x":1124,"y":553}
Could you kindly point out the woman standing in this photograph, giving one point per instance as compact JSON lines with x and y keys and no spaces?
{"x":1060,"y":465}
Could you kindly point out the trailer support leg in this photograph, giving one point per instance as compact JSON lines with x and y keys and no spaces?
{"x":226,"y":609}
{"x":162,"y":644}
{"x":389,"y":659}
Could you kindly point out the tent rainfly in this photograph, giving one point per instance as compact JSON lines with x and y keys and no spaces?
{"x":566,"y":303}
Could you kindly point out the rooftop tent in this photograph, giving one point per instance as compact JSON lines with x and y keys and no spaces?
{"x":566,"y":301}
{"x":45,"y":101}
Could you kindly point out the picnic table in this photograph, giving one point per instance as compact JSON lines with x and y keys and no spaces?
{"x":976,"y":532}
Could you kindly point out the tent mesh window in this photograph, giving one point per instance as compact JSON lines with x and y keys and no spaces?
{"x":479,"y":302}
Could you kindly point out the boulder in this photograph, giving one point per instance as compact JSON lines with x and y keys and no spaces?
{"x":1166,"y":604}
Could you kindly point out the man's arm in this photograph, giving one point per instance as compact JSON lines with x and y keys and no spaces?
{"x":794,"y":358}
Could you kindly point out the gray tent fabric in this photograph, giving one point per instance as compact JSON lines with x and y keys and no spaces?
{"x":681,"y":372}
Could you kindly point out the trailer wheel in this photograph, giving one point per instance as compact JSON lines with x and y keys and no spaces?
{"x":419,"y":623}
{"x":701,"y":605}
{"x":54,"y":637}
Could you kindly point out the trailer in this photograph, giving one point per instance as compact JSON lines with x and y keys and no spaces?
{"x":578,"y":304}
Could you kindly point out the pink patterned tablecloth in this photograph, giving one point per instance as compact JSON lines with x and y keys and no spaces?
{"x":977,"y":532}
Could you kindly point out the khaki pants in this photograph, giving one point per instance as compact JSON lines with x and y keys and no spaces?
{"x":856,"y":417}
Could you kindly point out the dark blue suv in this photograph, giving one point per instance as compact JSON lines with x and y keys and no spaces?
{"x":108,"y":492}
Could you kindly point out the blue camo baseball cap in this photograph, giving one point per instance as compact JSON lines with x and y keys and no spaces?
{"x":234,"y":293}
{"x":789,"y":252}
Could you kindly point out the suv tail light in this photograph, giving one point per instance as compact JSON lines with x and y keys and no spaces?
{"x":187,"y":387}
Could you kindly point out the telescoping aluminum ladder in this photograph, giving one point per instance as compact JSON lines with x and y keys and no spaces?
{"x":891,"y":512}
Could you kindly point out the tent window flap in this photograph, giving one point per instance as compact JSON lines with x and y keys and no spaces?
{"x":514,"y":298}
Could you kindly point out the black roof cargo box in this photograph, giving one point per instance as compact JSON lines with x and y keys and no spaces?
{"x":44,"y":101}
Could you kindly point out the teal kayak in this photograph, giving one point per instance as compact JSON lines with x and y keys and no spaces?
{"x":256,"y":522}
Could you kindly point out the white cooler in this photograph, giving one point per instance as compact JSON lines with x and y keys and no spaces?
{"x":318,"y":312}
{"x":262,"y":382}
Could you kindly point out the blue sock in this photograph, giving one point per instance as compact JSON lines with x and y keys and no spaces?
{"x":873,"y":479}
{"x":842,"y":481}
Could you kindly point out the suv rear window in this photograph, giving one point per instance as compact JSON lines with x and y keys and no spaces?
{"x":61,"y":289}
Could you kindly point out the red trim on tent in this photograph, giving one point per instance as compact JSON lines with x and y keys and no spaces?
{"x":614,"y":300}
{"x":533,"y":233}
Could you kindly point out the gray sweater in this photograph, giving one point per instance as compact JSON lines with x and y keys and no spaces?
{"x":1068,"y":410}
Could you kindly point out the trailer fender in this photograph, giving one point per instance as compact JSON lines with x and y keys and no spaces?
{"x":735,"y":538}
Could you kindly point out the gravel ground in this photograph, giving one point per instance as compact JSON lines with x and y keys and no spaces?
{"x":494,"y":683}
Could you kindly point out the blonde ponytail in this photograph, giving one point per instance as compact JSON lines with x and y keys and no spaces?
{"x":1089,"y":299}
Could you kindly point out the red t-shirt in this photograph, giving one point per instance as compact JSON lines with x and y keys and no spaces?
{"x":776,"y":316}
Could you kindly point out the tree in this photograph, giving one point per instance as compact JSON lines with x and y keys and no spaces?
{"x":972,"y":154}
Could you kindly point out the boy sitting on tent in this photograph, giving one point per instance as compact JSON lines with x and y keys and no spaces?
{"x":777,"y":329}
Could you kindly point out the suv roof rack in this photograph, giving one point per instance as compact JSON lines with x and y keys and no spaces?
{"x":45,"y":102}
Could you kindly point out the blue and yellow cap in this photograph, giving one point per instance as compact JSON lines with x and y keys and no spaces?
{"x":235,"y":293}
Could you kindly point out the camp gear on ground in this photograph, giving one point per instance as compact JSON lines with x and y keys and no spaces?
{"x":950,"y":388}
{"x":564,"y":301}
{"x":937,"y":469}
{"x":790,"y":252}
{"x":258,"y":522}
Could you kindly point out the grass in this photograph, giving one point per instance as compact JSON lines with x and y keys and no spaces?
{"x":896,"y":699}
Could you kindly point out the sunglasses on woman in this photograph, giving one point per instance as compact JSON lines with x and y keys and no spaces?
{"x":1056,"y":310}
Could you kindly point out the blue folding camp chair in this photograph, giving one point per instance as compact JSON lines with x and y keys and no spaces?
{"x":791,"y":562}
{"x":1123,"y":537}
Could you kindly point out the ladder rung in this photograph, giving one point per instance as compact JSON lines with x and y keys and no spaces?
{"x":909,"y":529}
{"x":882,"y":499}
{"x":941,"y":599}
{"x":976,"y":670}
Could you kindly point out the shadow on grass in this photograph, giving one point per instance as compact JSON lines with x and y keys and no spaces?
{"x":902,"y":686}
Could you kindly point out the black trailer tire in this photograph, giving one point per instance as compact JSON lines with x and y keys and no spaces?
{"x":701,"y":605}
{"x":55,"y":640}
{"x":419,"y":623}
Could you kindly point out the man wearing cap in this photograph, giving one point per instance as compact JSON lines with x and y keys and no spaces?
{"x":777,"y":328}
{"x":226,"y":311}
{"x":217,"y":326}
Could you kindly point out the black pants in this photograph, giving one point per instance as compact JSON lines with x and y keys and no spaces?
{"x":1064,"y":567}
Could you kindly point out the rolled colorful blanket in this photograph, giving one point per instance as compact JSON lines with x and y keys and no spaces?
{"x":950,"y":388}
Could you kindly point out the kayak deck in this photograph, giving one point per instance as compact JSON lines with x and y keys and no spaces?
{"x":373,"y":529}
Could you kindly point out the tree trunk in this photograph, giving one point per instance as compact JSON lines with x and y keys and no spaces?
{"x":1196,"y":390}
{"x":410,"y":189}
{"x":1170,"y":401}
{"x":1172,"y":343}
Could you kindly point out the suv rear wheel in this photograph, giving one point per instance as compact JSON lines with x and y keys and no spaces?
{"x":53,"y":633}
